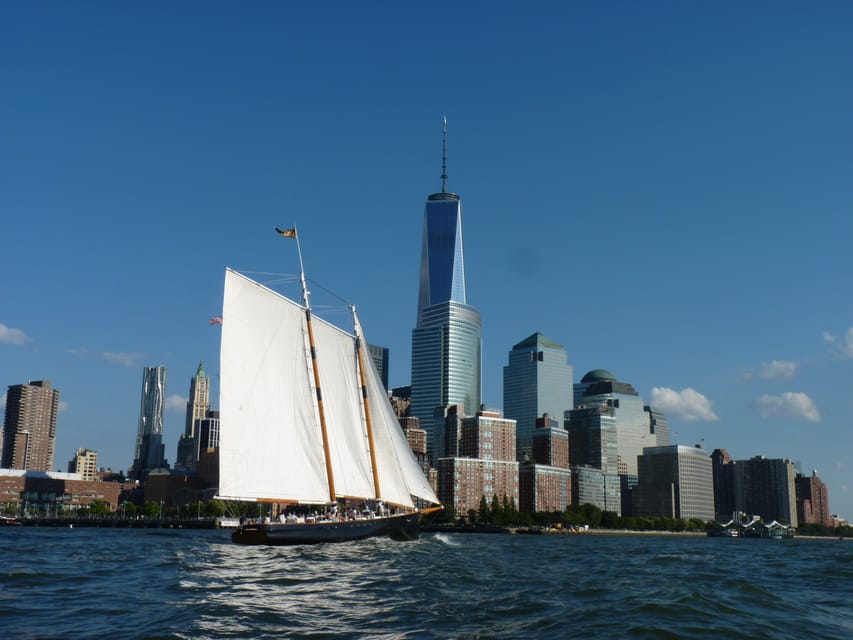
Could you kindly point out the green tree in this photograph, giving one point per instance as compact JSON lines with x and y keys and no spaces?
{"x":484,"y":514}
{"x":495,"y":508}
{"x":591,"y":514}
{"x":213,"y":508}
{"x":610,"y":520}
{"x":99,"y":508}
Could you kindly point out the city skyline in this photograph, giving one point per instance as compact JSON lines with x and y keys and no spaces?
{"x":662,"y":189}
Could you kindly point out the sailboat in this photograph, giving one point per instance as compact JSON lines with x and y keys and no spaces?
{"x":305,"y":420}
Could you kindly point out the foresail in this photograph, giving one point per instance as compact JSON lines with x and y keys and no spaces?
{"x":270,"y":445}
{"x":400,"y":475}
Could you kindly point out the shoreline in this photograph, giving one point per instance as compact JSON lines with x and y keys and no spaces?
{"x":594,"y":532}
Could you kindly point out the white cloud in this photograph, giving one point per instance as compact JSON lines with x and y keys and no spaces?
{"x":778,"y":369}
{"x":3,"y":402}
{"x":13,"y":336}
{"x":841,"y":345}
{"x":688,"y":404}
{"x":790,"y":406}
{"x":773,"y":370}
{"x":129,"y":360}
{"x":844,"y":488}
{"x":124,"y":359}
{"x":176,"y":403}
{"x":63,"y":406}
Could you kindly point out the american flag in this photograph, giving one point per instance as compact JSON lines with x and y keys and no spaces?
{"x":216,"y":320}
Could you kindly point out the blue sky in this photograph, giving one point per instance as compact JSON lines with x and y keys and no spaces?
{"x":662,"y":187}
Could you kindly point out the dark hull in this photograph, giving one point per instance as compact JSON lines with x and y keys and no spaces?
{"x":404,"y":527}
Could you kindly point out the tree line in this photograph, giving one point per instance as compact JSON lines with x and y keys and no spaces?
{"x":503,"y":512}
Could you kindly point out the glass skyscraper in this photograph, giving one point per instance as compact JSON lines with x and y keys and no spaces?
{"x":149,"y":452}
{"x":537,"y":380}
{"x":610,"y":428}
{"x":446,"y":350}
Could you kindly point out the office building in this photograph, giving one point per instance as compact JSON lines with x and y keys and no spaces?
{"x":674,"y":482}
{"x":658,"y":426}
{"x":621,"y":429}
{"x":593,"y":486}
{"x":446,"y":341}
{"x":150,"y":451}
{"x":206,"y":458}
{"x":84,"y":463}
{"x":380,"y":356}
{"x":197,"y":407}
{"x":29,"y":432}
{"x":537,"y":380}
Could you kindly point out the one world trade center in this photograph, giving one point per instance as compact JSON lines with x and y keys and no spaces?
{"x":446,"y":341}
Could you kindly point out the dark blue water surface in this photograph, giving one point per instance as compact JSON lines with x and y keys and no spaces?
{"x":160,"y":583}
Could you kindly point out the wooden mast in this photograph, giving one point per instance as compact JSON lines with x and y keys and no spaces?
{"x":359,"y":347}
{"x":291,"y":233}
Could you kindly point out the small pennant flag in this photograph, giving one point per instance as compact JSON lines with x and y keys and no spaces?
{"x":287,"y":233}
{"x":216,"y":320}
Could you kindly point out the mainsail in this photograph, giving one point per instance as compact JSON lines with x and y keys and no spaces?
{"x":271,"y":445}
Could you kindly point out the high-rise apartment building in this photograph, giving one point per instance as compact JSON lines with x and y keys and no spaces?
{"x":544,"y":483}
{"x":150,"y":452}
{"x":197,"y":407}
{"x":725,"y":502}
{"x":537,"y":380}
{"x":759,"y":486}
{"x":812,"y":500}
{"x":765,"y":487}
{"x":485,"y":466}
{"x":674,"y":482}
{"x":29,"y":431}
{"x":446,"y":341}
{"x":84,"y":462}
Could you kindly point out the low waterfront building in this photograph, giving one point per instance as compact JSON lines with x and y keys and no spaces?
{"x":50,"y":493}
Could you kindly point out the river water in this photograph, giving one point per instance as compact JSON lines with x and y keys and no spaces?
{"x":160,"y":583}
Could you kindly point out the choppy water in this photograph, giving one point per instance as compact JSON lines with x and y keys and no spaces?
{"x":126,"y":583}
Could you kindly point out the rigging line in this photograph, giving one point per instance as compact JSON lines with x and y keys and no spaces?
{"x":330,"y":292}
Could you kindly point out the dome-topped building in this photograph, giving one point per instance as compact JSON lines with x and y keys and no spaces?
{"x":598,"y":375}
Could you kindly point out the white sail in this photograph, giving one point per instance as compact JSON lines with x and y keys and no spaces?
{"x":340,"y":386}
{"x":400,"y":475}
{"x":270,"y":445}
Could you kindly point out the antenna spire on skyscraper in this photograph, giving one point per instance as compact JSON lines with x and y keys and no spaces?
{"x":444,"y":157}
